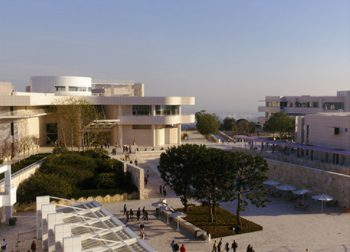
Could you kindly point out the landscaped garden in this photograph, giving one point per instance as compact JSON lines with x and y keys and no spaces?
{"x":68,"y":174}
{"x":224,"y":222}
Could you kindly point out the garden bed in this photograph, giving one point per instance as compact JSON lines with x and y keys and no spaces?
{"x":224,"y":222}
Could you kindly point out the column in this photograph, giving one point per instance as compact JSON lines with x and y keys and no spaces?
{"x":45,"y":210}
{"x":52,"y":220}
{"x":120,"y":127}
{"x":8,"y":209}
{"x":178,"y":133}
{"x":153,"y":109}
{"x":72,"y":243}
{"x":40,"y":200}
{"x":153,"y":135}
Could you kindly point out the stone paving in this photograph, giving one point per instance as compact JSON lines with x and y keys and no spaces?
{"x":286,"y":229}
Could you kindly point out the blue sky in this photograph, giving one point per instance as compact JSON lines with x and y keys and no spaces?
{"x":228,"y":54}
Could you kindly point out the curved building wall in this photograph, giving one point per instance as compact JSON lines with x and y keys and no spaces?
{"x":61,"y":85}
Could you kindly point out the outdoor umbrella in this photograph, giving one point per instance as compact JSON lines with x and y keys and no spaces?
{"x":166,"y":208}
{"x":301,"y":192}
{"x":286,"y":188}
{"x":178,"y":215}
{"x":271,"y":183}
{"x":322,"y":197}
{"x":159,"y":204}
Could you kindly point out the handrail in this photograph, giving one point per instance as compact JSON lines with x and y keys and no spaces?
{"x":24,"y":169}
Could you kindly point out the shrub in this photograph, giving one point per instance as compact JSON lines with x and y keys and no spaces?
{"x":223,"y":223}
{"x":76,"y":194}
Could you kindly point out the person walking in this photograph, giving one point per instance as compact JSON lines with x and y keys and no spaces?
{"x":125,"y":210}
{"x":143,"y":211}
{"x":250,"y":248}
{"x":176,"y":247}
{"x":138,"y":214}
{"x":136,"y":162}
{"x":131,"y":214}
{"x":3,"y":245}
{"x":164,"y":191}
{"x":147,"y":173}
{"x":215,"y":246}
{"x":172,"y":245}
{"x":219,"y":247}
{"x":127,"y":216}
{"x":234,"y":246}
{"x":33,"y":246}
{"x":227,"y":247}
{"x":146,"y":215}
{"x":182,"y":249}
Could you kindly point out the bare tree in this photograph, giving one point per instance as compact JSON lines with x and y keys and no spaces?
{"x":36,"y":142}
{"x":6,"y":150}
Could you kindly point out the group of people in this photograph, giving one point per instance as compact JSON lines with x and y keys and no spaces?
{"x":162,"y":189}
{"x":218,"y":247}
{"x":4,"y":246}
{"x":176,"y":248}
{"x":130,"y":214}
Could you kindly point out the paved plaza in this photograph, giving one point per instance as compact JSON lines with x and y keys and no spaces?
{"x":286,"y":228}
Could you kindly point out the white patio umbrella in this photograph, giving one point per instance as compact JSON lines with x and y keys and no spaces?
{"x":286,"y":188}
{"x":178,"y":215}
{"x":159,"y":204}
{"x":301,"y":192}
{"x":322,"y":197}
{"x":166,"y":208}
{"x":271,"y":183}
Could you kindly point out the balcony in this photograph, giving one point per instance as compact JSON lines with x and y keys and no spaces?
{"x":171,"y":119}
{"x":23,"y":113}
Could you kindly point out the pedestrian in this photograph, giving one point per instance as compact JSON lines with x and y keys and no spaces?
{"x":220,"y":242}
{"x":146,"y":215}
{"x":143,"y":211}
{"x":176,"y":247}
{"x":138,"y":214}
{"x":131,"y":214}
{"x":3,"y":245}
{"x":234,"y":246}
{"x":172,"y":245}
{"x":219,"y":247}
{"x":160,"y":189}
{"x":182,"y":249}
{"x":215,"y":246}
{"x":125,"y":209}
{"x":33,"y":246}
{"x":227,"y":247}
{"x":116,"y":145}
{"x":164,"y":191}
{"x":142,"y":227}
{"x":147,"y":173}
{"x":136,"y":162}
{"x":146,"y":180}
{"x":250,"y":248}
{"x":127,"y":216}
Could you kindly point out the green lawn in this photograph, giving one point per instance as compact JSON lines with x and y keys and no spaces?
{"x":223,"y":223}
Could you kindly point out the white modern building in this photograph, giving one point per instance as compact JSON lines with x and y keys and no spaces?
{"x":305,"y":104}
{"x":328,"y":130}
{"x":128,"y":115}
{"x":83,"y":227}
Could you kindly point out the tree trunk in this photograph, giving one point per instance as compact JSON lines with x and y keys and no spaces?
{"x":210,"y":212}
{"x":238,"y":214}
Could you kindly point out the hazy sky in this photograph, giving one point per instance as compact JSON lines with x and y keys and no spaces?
{"x":228,"y":54}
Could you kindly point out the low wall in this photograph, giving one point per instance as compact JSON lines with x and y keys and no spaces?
{"x":138,"y":177}
{"x":297,"y":161}
{"x":336,"y":185}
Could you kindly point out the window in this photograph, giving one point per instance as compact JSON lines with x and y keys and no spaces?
{"x":333,"y":105}
{"x":286,"y":104}
{"x":273,"y":104}
{"x":60,"y":88}
{"x":336,"y":131}
{"x":136,"y":127}
{"x":77,"y":89}
{"x":142,"y":110}
{"x":162,"y":110}
{"x":306,"y":104}
{"x":307,"y":134}
{"x":89,"y":89}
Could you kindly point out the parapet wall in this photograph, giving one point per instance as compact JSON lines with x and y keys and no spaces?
{"x":138,"y":177}
{"x":319,"y":181}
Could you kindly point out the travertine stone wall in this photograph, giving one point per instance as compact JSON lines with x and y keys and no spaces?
{"x":138,"y":177}
{"x":318,"y":181}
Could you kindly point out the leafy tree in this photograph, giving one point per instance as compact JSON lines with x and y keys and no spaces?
{"x":248,"y":184}
{"x":214,"y":178}
{"x":207,"y":123}
{"x":243,"y":127}
{"x":228,"y":124}
{"x":177,"y":169}
{"x":280,"y":123}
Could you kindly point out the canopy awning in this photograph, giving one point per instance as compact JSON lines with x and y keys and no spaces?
{"x":102,"y":124}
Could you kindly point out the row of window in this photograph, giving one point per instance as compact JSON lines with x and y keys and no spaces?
{"x":73,"y":89}
{"x":161,"y":110}
{"x":326,"y":105}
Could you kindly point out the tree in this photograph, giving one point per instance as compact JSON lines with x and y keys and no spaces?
{"x":228,"y":123}
{"x":214,"y":178}
{"x":248,"y":184}
{"x":176,"y":167}
{"x":207,"y":123}
{"x":243,"y":127}
{"x":74,"y":118}
{"x":280,"y":123}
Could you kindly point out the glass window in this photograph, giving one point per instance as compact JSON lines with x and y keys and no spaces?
{"x":81,"y":89}
{"x":135,"y":127}
{"x":142,"y":110}
{"x":286,"y":104}
{"x":272,"y":104}
{"x":162,"y":110}
{"x":333,"y":105}
{"x":73,"y":88}
{"x":89,"y":89}
{"x":60,"y":88}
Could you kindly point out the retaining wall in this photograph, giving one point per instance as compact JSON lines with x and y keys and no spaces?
{"x":138,"y":177}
